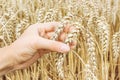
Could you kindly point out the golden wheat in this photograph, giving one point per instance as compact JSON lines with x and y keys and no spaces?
{"x":96,"y":56}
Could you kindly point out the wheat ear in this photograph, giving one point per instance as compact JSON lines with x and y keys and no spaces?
{"x":23,"y":23}
{"x":40,"y":15}
{"x":104,"y":33}
{"x":91,"y":66}
{"x":50,"y":15}
{"x":116,"y":46}
{"x":59,"y":62}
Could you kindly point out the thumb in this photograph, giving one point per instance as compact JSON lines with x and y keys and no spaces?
{"x":52,"y":45}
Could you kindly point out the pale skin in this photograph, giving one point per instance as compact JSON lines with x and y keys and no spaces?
{"x":31,"y":45}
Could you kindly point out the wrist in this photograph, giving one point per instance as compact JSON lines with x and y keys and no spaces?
{"x":20,"y":53}
{"x":7,"y":60}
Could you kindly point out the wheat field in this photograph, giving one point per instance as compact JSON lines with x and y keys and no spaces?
{"x":97,"y":53}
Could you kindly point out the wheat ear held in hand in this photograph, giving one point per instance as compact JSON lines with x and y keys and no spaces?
{"x":60,"y":57}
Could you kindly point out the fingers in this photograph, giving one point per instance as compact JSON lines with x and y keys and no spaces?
{"x":52,"y":45}
{"x":42,"y":32}
{"x":51,"y":27}
{"x":48,"y":27}
{"x":73,"y":44}
{"x":49,"y":35}
{"x":63,"y":36}
{"x":47,"y":31}
{"x":67,"y":28}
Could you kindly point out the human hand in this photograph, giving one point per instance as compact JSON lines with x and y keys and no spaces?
{"x":35,"y":42}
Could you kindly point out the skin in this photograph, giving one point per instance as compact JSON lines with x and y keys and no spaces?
{"x":31,"y":45}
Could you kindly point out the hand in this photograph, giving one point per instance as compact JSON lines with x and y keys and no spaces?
{"x":35,"y":42}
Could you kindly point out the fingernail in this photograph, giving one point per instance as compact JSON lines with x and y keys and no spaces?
{"x":65,"y":48}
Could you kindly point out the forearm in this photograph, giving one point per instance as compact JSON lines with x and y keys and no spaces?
{"x":6,"y":60}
